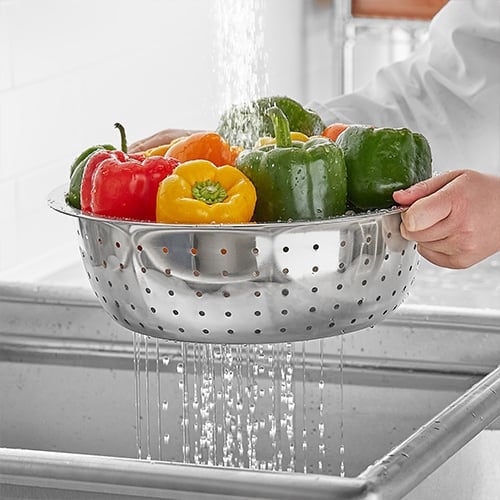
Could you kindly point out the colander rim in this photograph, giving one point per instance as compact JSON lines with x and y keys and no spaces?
{"x":57,"y":201}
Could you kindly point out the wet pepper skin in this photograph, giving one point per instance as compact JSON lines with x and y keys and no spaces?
{"x":200,"y":192}
{"x":243,"y":124}
{"x":120,"y":185}
{"x":208,"y":146}
{"x":76,"y":173}
{"x":295,"y":180}
{"x":380,"y":161}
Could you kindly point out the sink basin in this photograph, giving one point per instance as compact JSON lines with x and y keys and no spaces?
{"x":414,"y":407}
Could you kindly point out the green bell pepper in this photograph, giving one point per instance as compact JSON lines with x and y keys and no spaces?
{"x":76,"y":173}
{"x":295,"y":180}
{"x":380,"y":161}
{"x":243,"y":124}
{"x":85,"y":154}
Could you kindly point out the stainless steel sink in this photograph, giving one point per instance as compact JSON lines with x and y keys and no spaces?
{"x":418,"y":392}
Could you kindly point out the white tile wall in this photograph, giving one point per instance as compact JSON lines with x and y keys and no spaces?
{"x":5,"y":60}
{"x":69,"y":69}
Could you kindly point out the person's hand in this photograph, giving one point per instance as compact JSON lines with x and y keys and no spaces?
{"x":159,"y":139}
{"x":454,"y":217}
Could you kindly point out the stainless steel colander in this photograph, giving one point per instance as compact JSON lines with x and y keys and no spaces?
{"x":247,"y":283}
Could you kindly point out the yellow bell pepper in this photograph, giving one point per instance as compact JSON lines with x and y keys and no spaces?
{"x":160,"y":150}
{"x":294,"y":136}
{"x":199,"y":192}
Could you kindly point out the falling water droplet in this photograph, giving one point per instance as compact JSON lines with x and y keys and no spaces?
{"x":342,"y":463}
{"x":321,"y":429}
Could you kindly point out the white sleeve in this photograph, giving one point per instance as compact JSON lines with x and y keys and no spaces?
{"x":448,"y":89}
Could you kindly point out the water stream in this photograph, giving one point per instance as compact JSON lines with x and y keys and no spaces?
{"x":240,"y":57}
{"x":260,"y":407}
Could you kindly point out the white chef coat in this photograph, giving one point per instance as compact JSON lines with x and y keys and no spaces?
{"x":448,"y":89}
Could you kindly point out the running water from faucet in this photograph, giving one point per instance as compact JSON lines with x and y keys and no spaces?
{"x":240,"y":62}
{"x":240,"y":55}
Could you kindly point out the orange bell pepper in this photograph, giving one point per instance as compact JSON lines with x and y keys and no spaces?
{"x":199,"y":192}
{"x":161,"y":149}
{"x":204,"y":146}
{"x":334,"y":130}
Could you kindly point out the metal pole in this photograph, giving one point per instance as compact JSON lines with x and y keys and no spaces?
{"x":412,"y":461}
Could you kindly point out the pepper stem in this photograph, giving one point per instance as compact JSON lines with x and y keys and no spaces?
{"x":123,"y":137}
{"x":209,"y":192}
{"x":281,"y":127}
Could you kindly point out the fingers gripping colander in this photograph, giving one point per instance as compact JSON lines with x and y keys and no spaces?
{"x":249,"y":283}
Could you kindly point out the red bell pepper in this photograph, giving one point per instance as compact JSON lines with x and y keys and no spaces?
{"x":121,"y":185}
